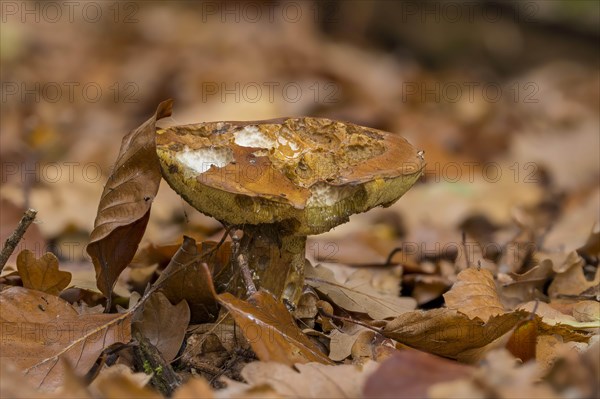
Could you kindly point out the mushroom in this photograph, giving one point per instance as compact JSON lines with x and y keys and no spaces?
{"x":281,"y":180}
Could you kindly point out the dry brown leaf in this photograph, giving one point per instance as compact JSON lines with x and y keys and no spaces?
{"x":271,"y":330}
{"x":585,"y":311}
{"x":475,"y":295}
{"x":193,"y":388}
{"x":41,"y":330}
{"x":554,"y":318}
{"x":14,"y":385}
{"x":357,"y":294}
{"x":409,"y":373}
{"x":447,"y":332}
{"x":312,"y":380}
{"x":119,"y":381}
{"x":500,"y":374}
{"x":341,"y":341}
{"x":125,"y":204}
{"x":42,"y":274}
{"x":191,"y":284}
{"x":163,"y":324}
{"x":527,"y":286}
{"x":572,"y":281}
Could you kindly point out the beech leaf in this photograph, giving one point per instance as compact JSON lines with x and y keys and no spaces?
{"x":446,"y":332}
{"x":191,"y":283}
{"x":40,"y":330}
{"x":42,"y":274}
{"x":271,"y":331}
{"x":475,"y":295}
{"x":408,"y":374}
{"x":357,"y":295}
{"x":312,"y":380}
{"x":125,"y":204}
{"x":164,"y":324}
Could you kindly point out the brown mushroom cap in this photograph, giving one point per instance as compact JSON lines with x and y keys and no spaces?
{"x":308,"y":175}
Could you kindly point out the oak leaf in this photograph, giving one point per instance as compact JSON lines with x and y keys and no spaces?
{"x":42,"y":330}
{"x":475,"y":295}
{"x":42,"y":274}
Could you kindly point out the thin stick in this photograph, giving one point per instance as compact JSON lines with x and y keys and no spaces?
{"x":14,"y":239}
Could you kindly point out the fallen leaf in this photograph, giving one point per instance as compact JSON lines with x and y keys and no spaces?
{"x":523,"y":341}
{"x":42,"y":274}
{"x":187,"y":279}
{"x":163,"y":324}
{"x":119,"y":381}
{"x":585,"y":311}
{"x":448,"y":333}
{"x":271,"y":330}
{"x":552,"y":317}
{"x":572,"y":281}
{"x":342,"y":340}
{"x":125,"y":204}
{"x":357,"y":294}
{"x":475,"y":295}
{"x":16,"y":386}
{"x":527,"y":286}
{"x":312,"y":380}
{"x":500,"y":374}
{"x":409,"y":373}
{"x":193,"y":388}
{"x":39,"y":330}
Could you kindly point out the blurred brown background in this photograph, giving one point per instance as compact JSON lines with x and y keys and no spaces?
{"x":503,"y":97}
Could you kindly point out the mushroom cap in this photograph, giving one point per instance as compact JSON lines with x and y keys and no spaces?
{"x":305,"y":174}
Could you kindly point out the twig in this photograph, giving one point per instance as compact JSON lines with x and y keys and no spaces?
{"x":16,"y":236}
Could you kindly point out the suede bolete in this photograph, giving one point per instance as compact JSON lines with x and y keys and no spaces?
{"x":283,"y":179}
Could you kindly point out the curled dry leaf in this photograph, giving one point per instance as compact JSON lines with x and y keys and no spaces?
{"x":164,"y":324}
{"x":185,"y":279}
{"x":572,"y":281}
{"x":125,"y":204}
{"x":42,"y":274}
{"x":447,"y":332}
{"x":271,"y":330}
{"x":475,"y":295}
{"x":41,"y":330}
{"x":357,"y":294}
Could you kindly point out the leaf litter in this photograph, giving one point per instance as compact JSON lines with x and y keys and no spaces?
{"x":516,"y":314}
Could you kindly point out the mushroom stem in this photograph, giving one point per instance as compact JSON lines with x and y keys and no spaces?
{"x":276,"y":260}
